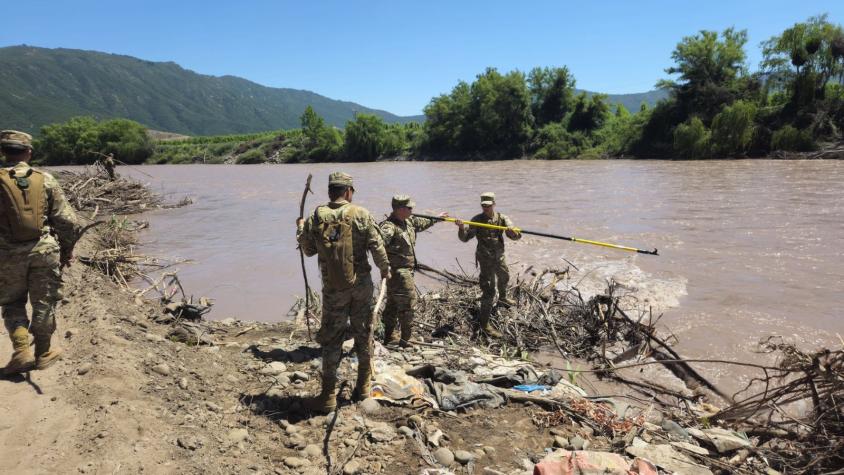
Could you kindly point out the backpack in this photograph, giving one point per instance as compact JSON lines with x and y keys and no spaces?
{"x":334,"y":244}
{"x":22,"y":203}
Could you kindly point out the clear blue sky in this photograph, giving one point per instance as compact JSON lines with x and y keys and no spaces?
{"x":396,"y":55}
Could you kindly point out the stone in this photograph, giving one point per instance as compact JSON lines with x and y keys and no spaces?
{"x":578,"y":443}
{"x":83,"y":369}
{"x":213,"y":407}
{"x":435,"y":437}
{"x":274,"y":368}
{"x":690,"y":447}
{"x":163,"y":369}
{"x":295,"y":462}
{"x":183,"y":383}
{"x":155,"y":338}
{"x":406,"y":431}
{"x":312,"y":451}
{"x":71,"y":332}
{"x":291,"y":429}
{"x":300,"y":376}
{"x":296,"y":441}
{"x":444,"y":456}
{"x":561,"y":442}
{"x":415,"y":421}
{"x":674,"y":429}
{"x":381,"y":432}
{"x":463,"y":457}
{"x":236,"y":436}
{"x":725,"y":440}
{"x":189,"y":443}
{"x":353,"y":467}
{"x":669,"y":459}
{"x":370,"y":406}
{"x":489,"y":450}
{"x":492,"y":471}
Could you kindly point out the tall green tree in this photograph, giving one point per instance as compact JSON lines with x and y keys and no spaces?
{"x":551,"y":94}
{"x":804,"y":58}
{"x":365,"y":138}
{"x":589,"y":113}
{"x":709,"y":69}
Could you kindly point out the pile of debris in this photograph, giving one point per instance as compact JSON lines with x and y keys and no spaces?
{"x":91,"y":190}
{"x":551,"y":313}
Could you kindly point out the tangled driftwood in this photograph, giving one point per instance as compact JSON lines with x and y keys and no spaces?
{"x":91,"y":190}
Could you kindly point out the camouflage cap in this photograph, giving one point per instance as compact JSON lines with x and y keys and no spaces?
{"x":15,"y":139}
{"x":487,"y":198}
{"x":340,"y":179}
{"x":403,"y":201}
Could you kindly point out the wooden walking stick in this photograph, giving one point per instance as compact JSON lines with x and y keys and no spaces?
{"x":302,"y":258}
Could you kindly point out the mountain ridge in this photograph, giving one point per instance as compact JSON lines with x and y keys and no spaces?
{"x":47,"y":85}
{"x":43,"y":85}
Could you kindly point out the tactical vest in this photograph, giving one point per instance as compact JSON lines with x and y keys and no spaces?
{"x":335,"y":246}
{"x":22,"y":203}
{"x":401,"y":250}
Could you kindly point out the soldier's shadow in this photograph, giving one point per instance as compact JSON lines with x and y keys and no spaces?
{"x":299,"y":355}
{"x":20,"y":378}
{"x":289,"y":407}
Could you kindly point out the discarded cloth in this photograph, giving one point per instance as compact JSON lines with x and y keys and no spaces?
{"x":451,"y":397}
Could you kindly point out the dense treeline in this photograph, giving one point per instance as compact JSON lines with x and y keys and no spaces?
{"x":716,"y":108}
{"x":83,"y":140}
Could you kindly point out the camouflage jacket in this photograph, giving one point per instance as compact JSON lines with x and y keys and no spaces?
{"x":400,"y":239}
{"x":60,"y":220}
{"x":365,"y":236}
{"x":490,"y":241}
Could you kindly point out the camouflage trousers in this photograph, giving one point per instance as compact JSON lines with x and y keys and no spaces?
{"x":30,"y":274}
{"x":353,"y":305}
{"x":493,"y":273}
{"x":401,"y":298}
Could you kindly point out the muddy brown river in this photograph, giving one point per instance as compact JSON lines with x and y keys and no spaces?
{"x":747,"y":248}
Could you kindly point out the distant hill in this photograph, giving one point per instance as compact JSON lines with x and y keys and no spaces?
{"x":39,"y":86}
{"x":633,"y":101}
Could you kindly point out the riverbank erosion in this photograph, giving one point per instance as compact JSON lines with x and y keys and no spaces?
{"x":148,"y":385}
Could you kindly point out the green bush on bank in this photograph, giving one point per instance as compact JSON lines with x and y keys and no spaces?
{"x":691,"y":139}
{"x":793,"y":140}
{"x":83,"y":140}
{"x":732,"y":129}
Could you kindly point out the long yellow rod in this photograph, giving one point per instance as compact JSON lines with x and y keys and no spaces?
{"x":536,"y":233}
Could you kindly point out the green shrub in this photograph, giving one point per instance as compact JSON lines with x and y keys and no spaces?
{"x":691,"y":139}
{"x":82,"y":140}
{"x":732,"y":129}
{"x":254,"y":155}
{"x":554,"y":142}
{"x":792,"y":139}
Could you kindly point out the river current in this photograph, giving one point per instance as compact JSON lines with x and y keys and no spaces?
{"x":748,"y":248}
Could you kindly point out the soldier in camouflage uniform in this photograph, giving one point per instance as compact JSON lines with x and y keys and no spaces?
{"x":341,"y":233}
{"x":490,"y":257}
{"x":38,"y":230}
{"x":399,"y":233}
{"x":109,"y":165}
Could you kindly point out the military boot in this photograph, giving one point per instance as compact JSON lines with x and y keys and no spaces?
{"x":506,"y":302}
{"x":363,"y":388}
{"x":23,"y":359}
{"x":44,"y":355}
{"x":406,"y":334}
{"x":325,"y":402}
{"x":487,"y":328}
{"x":391,"y":336}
